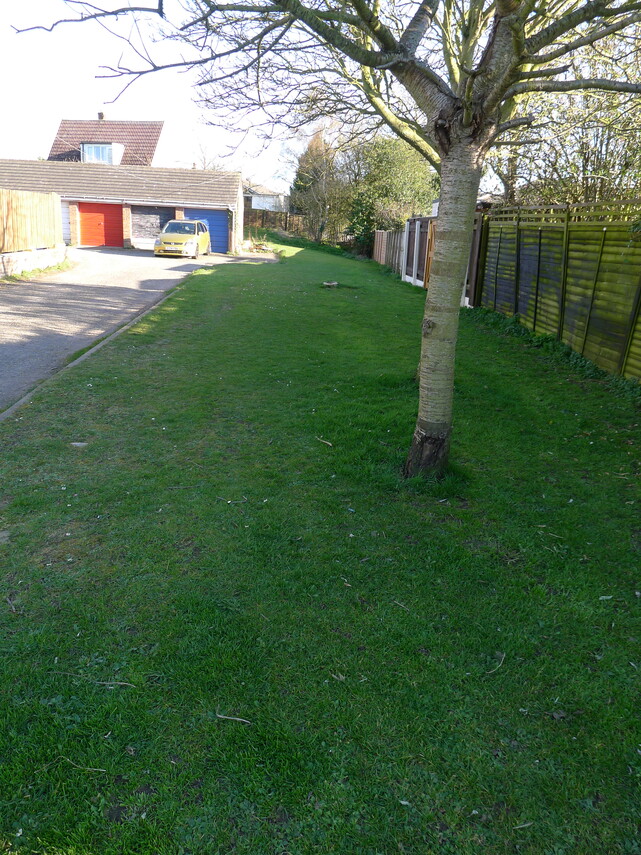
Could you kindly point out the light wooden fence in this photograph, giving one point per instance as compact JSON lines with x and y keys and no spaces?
{"x":389,"y":247}
{"x":29,"y":220}
{"x":573,"y":272}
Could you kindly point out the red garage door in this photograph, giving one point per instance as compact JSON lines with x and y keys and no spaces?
{"x":100,"y":225}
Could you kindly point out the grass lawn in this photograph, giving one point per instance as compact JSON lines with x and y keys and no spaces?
{"x":228,"y":626}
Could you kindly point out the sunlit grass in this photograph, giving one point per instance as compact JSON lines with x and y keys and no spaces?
{"x":230,"y":627}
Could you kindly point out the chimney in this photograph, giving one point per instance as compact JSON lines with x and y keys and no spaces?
{"x":101,"y":117}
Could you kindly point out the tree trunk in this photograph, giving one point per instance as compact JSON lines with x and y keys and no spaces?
{"x":460,"y":177}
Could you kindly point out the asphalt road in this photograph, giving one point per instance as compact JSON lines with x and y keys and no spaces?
{"x":44,"y":321}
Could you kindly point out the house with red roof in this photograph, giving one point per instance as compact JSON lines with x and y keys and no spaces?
{"x":112,"y":194}
{"x":116,"y":143}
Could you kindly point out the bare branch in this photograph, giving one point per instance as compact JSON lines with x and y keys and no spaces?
{"x":419,"y":25}
{"x":94,"y":16}
{"x":544,"y":72}
{"x":573,"y":86}
{"x":581,"y":15}
{"x":589,"y":39}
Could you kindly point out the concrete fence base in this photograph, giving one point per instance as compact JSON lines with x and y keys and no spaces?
{"x":15,"y":263}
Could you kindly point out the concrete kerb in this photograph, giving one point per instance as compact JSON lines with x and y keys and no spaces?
{"x":26,"y":399}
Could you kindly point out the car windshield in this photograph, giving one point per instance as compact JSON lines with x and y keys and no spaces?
{"x":175,"y":227}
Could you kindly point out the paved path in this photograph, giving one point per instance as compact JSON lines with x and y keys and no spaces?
{"x":44,"y":321}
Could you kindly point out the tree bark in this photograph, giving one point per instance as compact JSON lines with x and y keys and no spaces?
{"x":460,"y":177}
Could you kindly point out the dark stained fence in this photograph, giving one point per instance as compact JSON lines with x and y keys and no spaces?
{"x":573,"y":272}
{"x":422,"y":236}
{"x":292,"y":223}
{"x":419,"y":250}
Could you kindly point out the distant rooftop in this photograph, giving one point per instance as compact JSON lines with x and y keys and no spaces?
{"x":250,"y":188}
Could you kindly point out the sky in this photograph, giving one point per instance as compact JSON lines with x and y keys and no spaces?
{"x":52,"y":76}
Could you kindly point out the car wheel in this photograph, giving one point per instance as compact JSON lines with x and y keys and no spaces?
{"x":208,"y":250}
{"x":196,"y":253}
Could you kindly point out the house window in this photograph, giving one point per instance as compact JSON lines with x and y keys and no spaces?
{"x":96,"y":153}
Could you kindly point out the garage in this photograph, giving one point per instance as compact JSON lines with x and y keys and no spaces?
{"x":107,"y":205}
{"x":100,"y":224}
{"x":218,"y":222}
{"x":148,"y":220}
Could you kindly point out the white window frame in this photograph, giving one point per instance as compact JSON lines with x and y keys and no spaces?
{"x":88,"y":152}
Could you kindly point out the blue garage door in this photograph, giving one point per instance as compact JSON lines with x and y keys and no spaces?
{"x":218,"y":226}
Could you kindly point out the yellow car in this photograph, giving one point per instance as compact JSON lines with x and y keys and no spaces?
{"x":183,"y":237}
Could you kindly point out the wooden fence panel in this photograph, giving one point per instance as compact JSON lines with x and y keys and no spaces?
{"x":29,"y":220}
{"x":631,"y":362}
{"x":388,"y":248}
{"x":529,"y":274}
{"x":614,"y":299}
{"x":572,"y":272}
{"x":380,"y":246}
{"x":395,"y":249}
{"x":550,"y":282}
{"x":585,"y":249}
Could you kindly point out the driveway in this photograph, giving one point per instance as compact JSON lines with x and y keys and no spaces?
{"x":44,"y":321}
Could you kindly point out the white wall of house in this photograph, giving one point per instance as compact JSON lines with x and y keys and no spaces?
{"x":270,"y":203}
{"x":66,"y":223}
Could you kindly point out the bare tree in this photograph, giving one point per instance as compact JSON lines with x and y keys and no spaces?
{"x":448,"y":76}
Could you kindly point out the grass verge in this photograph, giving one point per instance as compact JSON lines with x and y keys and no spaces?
{"x":228,"y":626}
{"x":26,"y":275}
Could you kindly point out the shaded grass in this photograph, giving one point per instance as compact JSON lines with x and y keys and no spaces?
{"x":442,"y":667}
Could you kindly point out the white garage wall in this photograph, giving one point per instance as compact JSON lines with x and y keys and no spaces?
{"x":66,"y":226}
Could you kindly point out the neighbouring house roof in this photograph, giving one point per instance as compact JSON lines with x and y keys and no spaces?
{"x":251,"y":189}
{"x":138,"y":138}
{"x":118,"y":184}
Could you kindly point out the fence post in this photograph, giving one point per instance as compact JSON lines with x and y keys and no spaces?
{"x":406,"y":244}
{"x":564,"y":271}
{"x":596,"y":276}
{"x":417,"y":247}
{"x":477,"y":294}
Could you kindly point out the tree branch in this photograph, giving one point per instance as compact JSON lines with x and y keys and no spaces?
{"x":584,"y":41}
{"x":331,"y":36}
{"x":419,"y":25}
{"x":400,"y":127}
{"x":544,"y":72}
{"x":373,"y":23}
{"x":93,"y":16}
{"x":572,"y":86}
{"x":582,"y":15}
